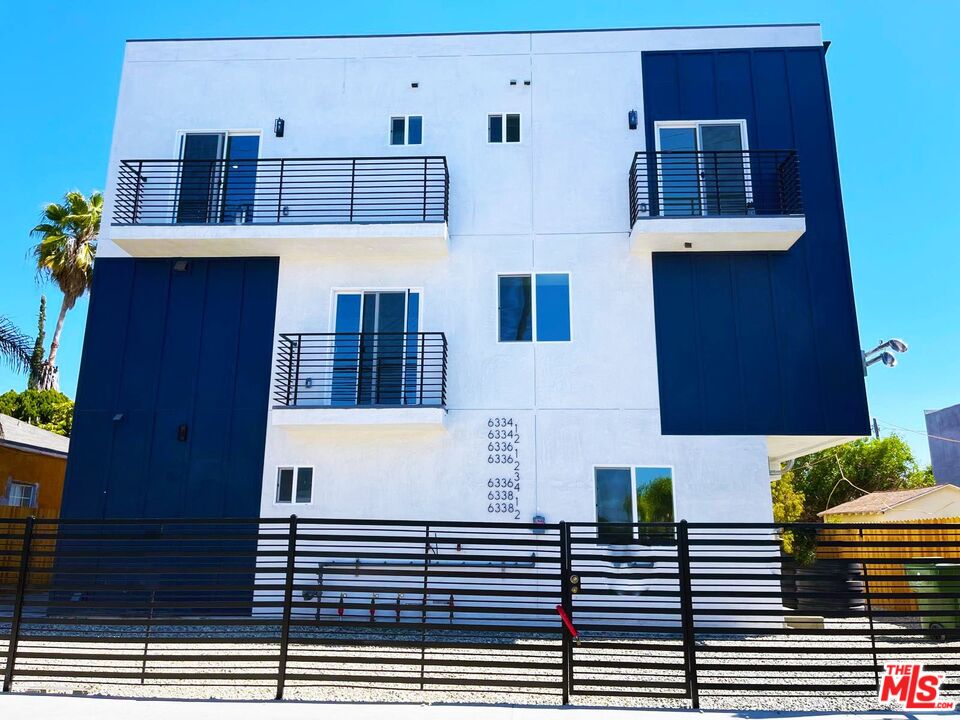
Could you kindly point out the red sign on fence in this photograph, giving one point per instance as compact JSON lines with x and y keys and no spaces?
{"x":911,"y":688}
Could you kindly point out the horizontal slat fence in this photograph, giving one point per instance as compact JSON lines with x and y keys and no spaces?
{"x":669,"y":614}
{"x":887,"y":546}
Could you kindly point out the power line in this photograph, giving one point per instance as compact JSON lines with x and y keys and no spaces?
{"x":920,"y":432}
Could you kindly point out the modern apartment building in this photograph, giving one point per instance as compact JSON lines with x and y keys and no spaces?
{"x":597,"y":275}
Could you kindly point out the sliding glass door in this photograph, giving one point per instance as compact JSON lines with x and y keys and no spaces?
{"x":198,"y":199}
{"x":703,"y":169}
{"x":375,"y":349}
{"x":217,"y":179}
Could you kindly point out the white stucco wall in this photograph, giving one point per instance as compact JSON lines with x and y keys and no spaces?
{"x":556,"y":202}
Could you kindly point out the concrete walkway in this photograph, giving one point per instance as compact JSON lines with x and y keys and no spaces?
{"x":65,"y":707}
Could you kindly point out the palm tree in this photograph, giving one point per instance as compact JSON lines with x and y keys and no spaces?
{"x":65,"y":254}
{"x":14,"y":345}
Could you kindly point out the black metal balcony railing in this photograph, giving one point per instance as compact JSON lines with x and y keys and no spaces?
{"x":287,"y":190}
{"x":714,"y":183}
{"x":361,"y":370}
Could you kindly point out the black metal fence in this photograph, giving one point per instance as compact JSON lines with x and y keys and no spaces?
{"x":361,"y":370}
{"x":683,"y":614}
{"x":282,"y":190}
{"x":715,"y":183}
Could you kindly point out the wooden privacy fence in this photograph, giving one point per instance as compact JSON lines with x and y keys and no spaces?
{"x":11,"y":542}
{"x":878,"y":549}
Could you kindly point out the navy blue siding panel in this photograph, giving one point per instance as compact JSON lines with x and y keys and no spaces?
{"x":165,"y":349}
{"x":753,"y":298}
{"x":85,"y":498}
{"x":759,"y":343}
{"x":679,"y":323}
{"x":98,"y":389}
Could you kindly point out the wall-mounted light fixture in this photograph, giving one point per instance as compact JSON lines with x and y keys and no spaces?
{"x":278,"y":127}
{"x":633,"y":120}
{"x":181,"y":266}
{"x":182,"y":433}
{"x":881,"y":354}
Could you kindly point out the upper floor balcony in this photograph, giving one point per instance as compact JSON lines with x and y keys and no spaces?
{"x":338,"y":206}
{"x":365,"y":378}
{"x":720,"y":200}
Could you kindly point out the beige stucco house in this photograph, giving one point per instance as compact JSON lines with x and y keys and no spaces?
{"x":929,"y":503}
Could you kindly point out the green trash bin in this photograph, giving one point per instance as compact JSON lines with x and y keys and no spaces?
{"x":936,"y":577}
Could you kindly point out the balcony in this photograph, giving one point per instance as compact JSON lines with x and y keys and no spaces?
{"x":715,"y":201}
{"x":334,"y":206}
{"x":360,"y":379}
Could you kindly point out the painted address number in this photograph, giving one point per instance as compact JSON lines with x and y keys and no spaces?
{"x":503,"y":450}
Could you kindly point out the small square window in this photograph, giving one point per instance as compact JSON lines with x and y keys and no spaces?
{"x":534,"y":307}
{"x":295,"y":485}
{"x":503,"y":128}
{"x":22,"y":495}
{"x":406,"y":130}
{"x":622,"y":500}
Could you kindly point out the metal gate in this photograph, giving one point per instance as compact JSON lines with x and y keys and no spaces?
{"x":627,"y":607}
{"x":737,"y":615}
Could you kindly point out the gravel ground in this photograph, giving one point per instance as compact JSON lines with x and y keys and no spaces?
{"x":229,"y":671}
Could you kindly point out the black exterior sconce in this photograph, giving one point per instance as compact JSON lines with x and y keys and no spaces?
{"x":633,"y":119}
{"x":278,"y":127}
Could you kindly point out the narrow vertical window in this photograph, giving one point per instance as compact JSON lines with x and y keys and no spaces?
{"x":398,"y":130}
{"x":285,"y":485}
{"x":414,"y":130}
{"x":513,"y":128}
{"x":495,"y":128}
{"x":654,"y":497}
{"x":304,"y":484}
{"x":614,"y":505}
{"x":516,"y":306}
{"x":553,"y":306}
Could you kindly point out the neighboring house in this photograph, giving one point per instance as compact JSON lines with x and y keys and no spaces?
{"x":597,"y":275}
{"x":938,"y":501}
{"x":943,"y":436}
{"x":33,"y":462}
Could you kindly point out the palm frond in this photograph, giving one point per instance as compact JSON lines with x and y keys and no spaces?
{"x":15,"y":347}
{"x":66,"y":247}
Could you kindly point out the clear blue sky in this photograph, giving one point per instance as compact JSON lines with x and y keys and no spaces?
{"x":895,"y":78}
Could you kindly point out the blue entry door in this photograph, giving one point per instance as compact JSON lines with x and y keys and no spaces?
{"x":375,"y":348}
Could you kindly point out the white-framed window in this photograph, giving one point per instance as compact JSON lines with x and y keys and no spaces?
{"x":503,"y":128}
{"x":533,"y":307}
{"x":628,"y":494}
{"x":406,"y":130}
{"x":294,"y":485}
{"x":21,"y":494}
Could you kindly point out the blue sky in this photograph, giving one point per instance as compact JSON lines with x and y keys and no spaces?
{"x":894,"y":73}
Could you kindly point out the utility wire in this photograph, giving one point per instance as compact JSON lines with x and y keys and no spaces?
{"x":919,"y":432}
